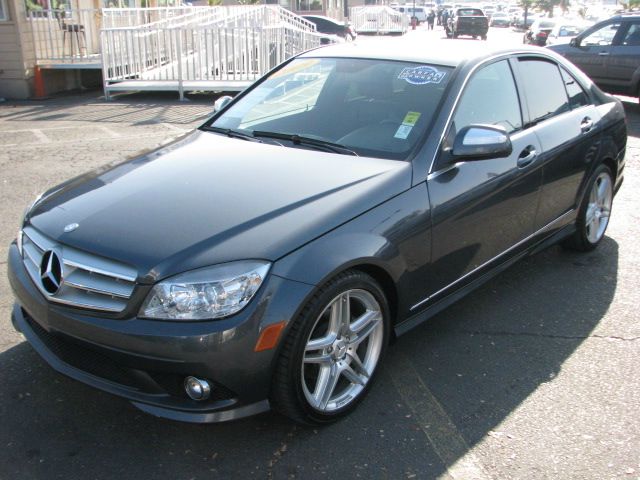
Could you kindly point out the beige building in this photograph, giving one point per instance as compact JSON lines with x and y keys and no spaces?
{"x":65,"y":46}
{"x":17,"y":56}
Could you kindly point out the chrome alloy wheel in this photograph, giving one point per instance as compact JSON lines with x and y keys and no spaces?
{"x":599,"y":207}
{"x":342,"y":350}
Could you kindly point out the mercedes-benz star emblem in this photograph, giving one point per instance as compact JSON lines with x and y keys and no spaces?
{"x":51,"y":272}
{"x":71,"y":227}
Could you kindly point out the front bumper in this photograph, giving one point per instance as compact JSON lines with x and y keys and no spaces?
{"x":145,"y":361}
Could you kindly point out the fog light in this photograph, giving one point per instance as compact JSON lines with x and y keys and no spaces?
{"x":196,"y":388}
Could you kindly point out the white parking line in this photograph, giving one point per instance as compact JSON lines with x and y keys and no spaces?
{"x":56,"y":144}
{"x":174,"y":128}
{"x":40,"y":135}
{"x":434,"y":422}
{"x":109,"y":132}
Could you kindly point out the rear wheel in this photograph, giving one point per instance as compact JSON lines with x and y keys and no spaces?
{"x":329,"y":358}
{"x":594,"y":213}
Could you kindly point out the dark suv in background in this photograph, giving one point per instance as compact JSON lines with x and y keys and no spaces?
{"x":609,"y":53}
{"x":468,"y":21}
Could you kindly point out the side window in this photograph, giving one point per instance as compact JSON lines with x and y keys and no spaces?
{"x":603,"y":36}
{"x":632,"y":38}
{"x":577,"y":96}
{"x":490,"y":98}
{"x":4,"y":11}
{"x":544,"y":88}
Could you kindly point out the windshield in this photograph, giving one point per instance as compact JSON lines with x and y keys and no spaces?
{"x":371,"y":107}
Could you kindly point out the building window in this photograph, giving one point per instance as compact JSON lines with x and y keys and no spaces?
{"x":4,"y":11}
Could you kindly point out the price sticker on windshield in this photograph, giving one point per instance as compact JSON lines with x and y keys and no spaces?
{"x":421,"y":75}
{"x":410,"y":120}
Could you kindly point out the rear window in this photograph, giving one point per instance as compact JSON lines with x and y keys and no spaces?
{"x":470,"y":12}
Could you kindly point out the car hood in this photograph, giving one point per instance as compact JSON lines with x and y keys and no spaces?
{"x":208,"y":199}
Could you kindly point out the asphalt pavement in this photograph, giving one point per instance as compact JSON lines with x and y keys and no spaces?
{"x":533,"y":376}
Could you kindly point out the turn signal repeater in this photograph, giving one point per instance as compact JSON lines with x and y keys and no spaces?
{"x":269,"y":337}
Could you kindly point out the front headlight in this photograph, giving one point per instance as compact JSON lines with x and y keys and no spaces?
{"x":206,"y":293}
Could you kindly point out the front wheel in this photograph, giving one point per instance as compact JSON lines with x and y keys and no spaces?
{"x":329,"y":357}
{"x":594,"y":212}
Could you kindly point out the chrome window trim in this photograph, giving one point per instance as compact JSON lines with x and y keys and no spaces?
{"x":485,"y":62}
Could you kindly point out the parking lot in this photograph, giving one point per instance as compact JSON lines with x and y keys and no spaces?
{"x":534,"y":375}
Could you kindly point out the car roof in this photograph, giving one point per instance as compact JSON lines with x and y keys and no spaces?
{"x":444,"y":52}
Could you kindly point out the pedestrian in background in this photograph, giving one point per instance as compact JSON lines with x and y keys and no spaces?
{"x":430,"y":19}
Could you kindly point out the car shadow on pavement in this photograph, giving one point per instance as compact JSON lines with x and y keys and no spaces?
{"x":480,"y":360}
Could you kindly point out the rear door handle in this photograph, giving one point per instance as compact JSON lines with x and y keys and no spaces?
{"x":586,"y":125}
{"x":603,"y":54}
{"x":527,"y":156}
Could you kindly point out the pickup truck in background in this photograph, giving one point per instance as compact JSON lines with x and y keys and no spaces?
{"x":468,"y":21}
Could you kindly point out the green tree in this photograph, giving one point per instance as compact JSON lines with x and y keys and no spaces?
{"x":547,"y":5}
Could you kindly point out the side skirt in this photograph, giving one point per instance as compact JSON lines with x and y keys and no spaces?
{"x":487,"y":275}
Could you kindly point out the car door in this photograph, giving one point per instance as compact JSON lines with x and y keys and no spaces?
{"x":482,"y":208}
{"x":566,"y":124}
{"x":592,"y":50}
{"x":624,"y":61}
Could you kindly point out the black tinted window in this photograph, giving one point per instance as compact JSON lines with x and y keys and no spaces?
{"x":577,"y":96}
{"x":490,"y":98}
{"x":469,"y":12}
{"x":544,"y":89}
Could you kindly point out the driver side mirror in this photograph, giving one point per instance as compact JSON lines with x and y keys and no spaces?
{"x":480,"y":142}
{"x":574,"y":42}
{"x":221,"y":103}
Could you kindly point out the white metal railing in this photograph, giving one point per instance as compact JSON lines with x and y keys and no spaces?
{"x":155,"y":56}
{"x":378,"y":19}
{"x":73,"y":35}
{"x":70,"y":36}
{"x":238,"y":15}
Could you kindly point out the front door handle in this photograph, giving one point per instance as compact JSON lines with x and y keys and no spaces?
{"x":527,"y":156}
{"x":603,"y":54}
{"x":586,"y":125}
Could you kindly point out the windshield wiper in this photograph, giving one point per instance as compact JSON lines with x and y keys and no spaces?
{"x":302,"y":140}
{"x":232,"y":133}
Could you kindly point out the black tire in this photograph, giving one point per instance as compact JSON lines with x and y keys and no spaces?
{"x":580,"y":241}
{"x":484,"y":37}
{"x":287,"y":392}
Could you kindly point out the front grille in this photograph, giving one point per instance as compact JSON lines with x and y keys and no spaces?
{"x":82,"y":358}
{"x":88,"y":281}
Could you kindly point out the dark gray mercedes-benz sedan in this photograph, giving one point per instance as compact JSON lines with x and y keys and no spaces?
{"x":268,"y":258}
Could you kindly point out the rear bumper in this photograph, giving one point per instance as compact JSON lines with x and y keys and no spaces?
{"x":146,"y":361}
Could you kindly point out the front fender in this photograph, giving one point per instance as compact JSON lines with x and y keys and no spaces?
{"x":324,"y":258}
{"x":395,"y":237}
